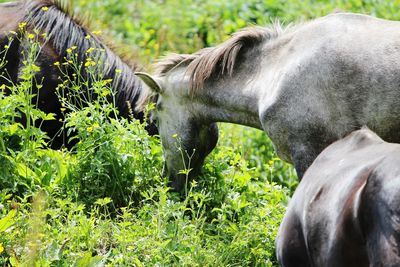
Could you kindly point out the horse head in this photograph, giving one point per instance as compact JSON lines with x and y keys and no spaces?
{"x":186,"y":138}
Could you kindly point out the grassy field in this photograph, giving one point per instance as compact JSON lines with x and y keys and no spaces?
{"x":106,"y":203}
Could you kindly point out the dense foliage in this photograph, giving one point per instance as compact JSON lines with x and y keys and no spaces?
{"x":106,"y":202}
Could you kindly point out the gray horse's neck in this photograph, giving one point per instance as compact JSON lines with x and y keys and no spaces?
{"x":231,"y":99}
{"x":232,"y":102}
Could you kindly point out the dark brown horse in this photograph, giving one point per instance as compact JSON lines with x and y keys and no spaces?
{"x":346,"y":209}
{"x":63,"y":32}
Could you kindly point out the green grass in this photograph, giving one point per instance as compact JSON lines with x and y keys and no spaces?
{"x":106,"y":202}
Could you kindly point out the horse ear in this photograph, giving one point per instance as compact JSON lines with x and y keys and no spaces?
{"x":153,"y":83}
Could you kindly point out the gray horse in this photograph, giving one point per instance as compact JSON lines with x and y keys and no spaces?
{"x":346,"y":210}
{"x":306,"y":86}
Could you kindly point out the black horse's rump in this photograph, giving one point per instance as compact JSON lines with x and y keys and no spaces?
{"x":346,"y":209}
{"x":59,"y":31}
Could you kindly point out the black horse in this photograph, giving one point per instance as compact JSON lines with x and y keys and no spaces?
{"x":59,"y":31}
{"x":346,"y":209}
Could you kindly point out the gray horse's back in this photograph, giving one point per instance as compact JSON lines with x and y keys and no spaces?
{"x":336,"y":74}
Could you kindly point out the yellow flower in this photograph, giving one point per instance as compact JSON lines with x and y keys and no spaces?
{"x":105,"y":93}
{"x":1,"y":248}
{"x":69,"y":50}
{"x":96,"y":126}
{"x":3,"y":87}
{"x":31,"y":36}
{"x":56,"y":63}
{"x":96,"y":32}
{"x":45,"y":8}
{"x":89,"y":129}
{"x":90,"y":62}
{"x":90,"y":50}
{"x":6,"y":46}
{"x":73,"y":47}
{"x":175,"y":135}
{"x":88,"y":37}
{"x":118,"y":71}
{"x":22,"y":25}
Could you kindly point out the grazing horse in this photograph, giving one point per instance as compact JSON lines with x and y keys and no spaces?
{"x":59,"y":31}
{"x":346,"y":209}
{"x":306,"y":86}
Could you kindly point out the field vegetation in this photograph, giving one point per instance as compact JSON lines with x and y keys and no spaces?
{"x":105,"y":203}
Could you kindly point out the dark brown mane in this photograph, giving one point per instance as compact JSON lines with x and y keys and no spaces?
{"x":65,"y":30}
{"x":219,"y":60}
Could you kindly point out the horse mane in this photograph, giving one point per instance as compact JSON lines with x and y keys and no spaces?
{"x":218,"y":60}
{"x":173,"y":60}
{"x":65,"y":30}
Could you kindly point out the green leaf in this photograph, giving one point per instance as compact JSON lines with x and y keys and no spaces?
{"x":7,"y":221}
{"x":89,"y":261}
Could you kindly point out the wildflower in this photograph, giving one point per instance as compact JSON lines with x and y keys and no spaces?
{"x":73,"y":47}
{"x":3,"y":87}
{"x":87,"y":37}
{"x":31,"y":36}
{"x":45,"y":8}
{"x":96,"y":126}
{"x":89,"y":50}
{"x":1,"y":248}
{"x":96,"y":32}
{"x":21,"y":25}
{"x":69,"y":50}
{"x":89,"y":129}
{"x":174,"y":135}
{"x":105,"y":92}
{"x":62,"y":109}
{"x":6,"y":46}
{"x":90,"y":62}
{"x":56,"y":63}
{"x":118,"y":71}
